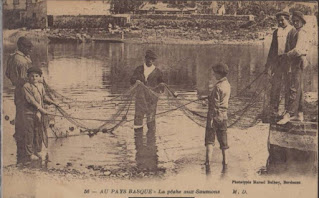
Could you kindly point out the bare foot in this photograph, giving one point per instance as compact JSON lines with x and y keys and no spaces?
{"x":36,"y":156}
{"x":285,"y":119}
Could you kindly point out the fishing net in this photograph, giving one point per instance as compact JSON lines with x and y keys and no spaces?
{"x":92,"y":117}
{"x":89,"y":116}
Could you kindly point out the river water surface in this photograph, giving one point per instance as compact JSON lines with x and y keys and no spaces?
{"x":98,"y":71}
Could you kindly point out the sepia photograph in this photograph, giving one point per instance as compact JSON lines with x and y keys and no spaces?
{"x":158,"y":99}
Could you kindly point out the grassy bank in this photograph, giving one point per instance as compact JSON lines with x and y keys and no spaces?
{"x":154,"y":36}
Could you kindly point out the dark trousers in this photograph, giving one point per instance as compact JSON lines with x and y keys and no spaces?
{"x":28,"y":138}
{"x":294,"y":96}
{"x":276,"y":84}
{"x":150,"y":113}
{"x":218,"y":129}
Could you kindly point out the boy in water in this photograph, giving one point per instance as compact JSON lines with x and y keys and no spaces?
{"x":29,"y":141}
{"x":217,"y":114}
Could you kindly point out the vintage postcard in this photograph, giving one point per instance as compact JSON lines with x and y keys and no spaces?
{"x":156,"y":99}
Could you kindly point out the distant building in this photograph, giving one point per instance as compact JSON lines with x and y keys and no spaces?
{"x":29,"y":13}
{"x":40,"y":13}
{"x":221,"y":10}
{"x":14,"y":4}
{"x":164,"y":8}
{"x":78,"y":7}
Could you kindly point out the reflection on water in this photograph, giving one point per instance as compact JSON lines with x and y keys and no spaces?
{"x":97,"y":71}
{"x":107,"y":67}
{"x":146,"y":150}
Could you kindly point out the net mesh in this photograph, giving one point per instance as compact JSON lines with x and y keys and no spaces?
{"x":92,"y":117}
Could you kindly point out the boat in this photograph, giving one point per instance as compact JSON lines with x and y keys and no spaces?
{"x":57,"y":39}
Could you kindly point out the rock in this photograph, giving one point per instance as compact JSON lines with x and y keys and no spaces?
{"x":69,"y":164}
{"x":123,"y":174}
{"x":95,"y":131}
{"x":12,"y":122}
{"x":90,"y":166}
{"x":107,"y":173}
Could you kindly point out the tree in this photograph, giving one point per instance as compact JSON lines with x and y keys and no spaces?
{"x":125,"y":6}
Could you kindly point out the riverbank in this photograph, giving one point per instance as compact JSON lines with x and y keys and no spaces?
{"x":146,"y":36}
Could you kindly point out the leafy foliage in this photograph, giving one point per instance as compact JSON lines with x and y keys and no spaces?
{"x":125,"y":6}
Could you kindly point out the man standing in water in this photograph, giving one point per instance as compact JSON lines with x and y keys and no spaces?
{"x":17,"y":66}
{"x":297,"y":49}
{"x":148,"y":76}
{"x":217,"y":114}
{"x":275,"y":63}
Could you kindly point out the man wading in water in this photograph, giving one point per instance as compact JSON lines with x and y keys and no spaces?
{"x":217,"y":115}
{"x":17,"y":66}
{"x":146,"y":100}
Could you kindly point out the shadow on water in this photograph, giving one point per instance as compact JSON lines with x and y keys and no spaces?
{"x":291,"y":161}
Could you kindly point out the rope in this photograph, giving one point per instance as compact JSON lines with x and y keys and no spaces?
{"x":246,"y":109}
{"x":127,"y":93}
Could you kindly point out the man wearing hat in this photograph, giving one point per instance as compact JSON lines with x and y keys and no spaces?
{"x":296,"y":50}
{"x":149,"y":78}
{"x":275,"y":63}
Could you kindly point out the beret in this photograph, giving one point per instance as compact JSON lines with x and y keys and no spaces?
{"x":150,"y":54}
{"x":282,"y":13}
{"x":299,"y":15}
{"x":24,"y":41}
{"x":221,"y":68}
{"x":34,"y":70}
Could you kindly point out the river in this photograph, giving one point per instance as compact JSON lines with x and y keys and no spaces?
{"x":99,"y":70}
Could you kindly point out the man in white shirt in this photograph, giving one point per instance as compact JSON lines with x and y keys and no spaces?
{"x":275,"y":64}
{"x":296,"y":50}
{"x":146,"y":99}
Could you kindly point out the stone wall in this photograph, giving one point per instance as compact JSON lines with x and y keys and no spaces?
{"x":293,"y":147}
{"x":190,"y":21}
{"x":74,"y":22}
{"x":197,"y":16}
